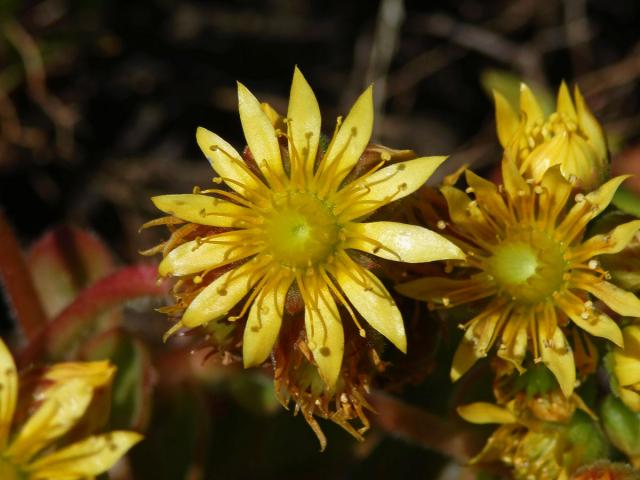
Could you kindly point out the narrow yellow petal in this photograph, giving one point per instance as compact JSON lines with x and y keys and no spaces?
{"x":557,"y":356}
{"x":565,"y":104}
{"x":590,"y":320}
{"x":263,"y":324}
{"x":8,"y":392}
{"x":556,"y":191}
{"x":325,"y":335}
{"x":631,"y":399}
{"x":601,"y":198}
{"x":530,"y":106}
{"x":87,"y":458}
{"x":215,"y":300}
{"x":372,"y":300}
{"x":260,"y":134}
{"x":62,"y":409}
{"x":486,"y":193}
{"x":619,"y":300}
{"x":506,"y":119}
{"x":483,"y":412}
{"x":400,"y":242}
{"x":513,"y":181}
{"x":590,"y":126}
{"x":197,"y":256}
{"x":389,"y":184}
{"x":96,"y":374}
{"x":304,"y":119}
{"x":464,"y":358}
{"x":228,"y":163}
{"x":607,"y":243}
{"x":513,"y":343}
{"x":351,"y":139}
{"x":202,"y":209}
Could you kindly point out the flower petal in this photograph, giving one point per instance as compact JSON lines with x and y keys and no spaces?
{"x":589,"y":319}
{"x":619,"y":300}
{"x":557,"y":356}
{"x":589,"y":125}
{"x":64,"y":406}
{"x":87,"y":458}
{"x":228,"y":163}
{"x":387,"y":185}
{"x":626,"y":368}
{"x":565,"y":104}
{"x":630,"y":398}
{"x":601,"y":198}
{"x":401,"y":242}
{"x":260,"y":135}
{"x":372,"y":300}
{"x":304,"y":120}
{"x":514,"y":184}
{"x":486,"y":193}
{"x":612,"y":242}
{"x":215,"y":300}
{"x":464,"y":358}
{"x":483,"y":412}
{"x":199,"y":255}
{"x":263,"y":323}
{"x":202,"y":209}
{"x":506,"y":119}
{"x":351,"y":139}
{"x":8,"y":392}
{"x":530,"y":106}
{"x":96,"y":374}
{"x":325,"y":335}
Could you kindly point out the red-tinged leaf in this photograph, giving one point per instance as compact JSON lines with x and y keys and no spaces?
{"x":63,"y":262}
{"x":81,"y":319}
{"x":15,"y":280}
{"x":132,"y":385}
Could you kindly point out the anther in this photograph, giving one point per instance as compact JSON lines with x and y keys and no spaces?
{"x":441,"y":224}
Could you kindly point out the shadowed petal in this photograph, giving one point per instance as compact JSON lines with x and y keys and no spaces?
{"x":372,"y":300}
{"x":530,"y":106}
{"x":506,"y":119}
{"x":87,"y":458}
{"x":619,"y":300}
{"x":482,"y":412}
{"x":556,"y":355}
{"x":612,"y":242}
{"x":325,"y":335}
{"x":202,"y":209}
{"x":589,"y":125}
{"x":263,"y":323}
{"x":401,"y":242}
{"x":8,"y":392}
{"x":62,"y":409}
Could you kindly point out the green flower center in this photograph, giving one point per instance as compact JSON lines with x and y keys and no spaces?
{"x":10,"y":471}
{"x":302,"y":230}
{"x":529,"y":266}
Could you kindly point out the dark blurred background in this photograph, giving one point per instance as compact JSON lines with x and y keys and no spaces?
{"x":100,"y":99}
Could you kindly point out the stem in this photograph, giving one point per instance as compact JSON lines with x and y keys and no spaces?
{"x":18,"y":285}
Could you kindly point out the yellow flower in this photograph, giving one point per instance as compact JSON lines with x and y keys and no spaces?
{"x":570,"y":137}
{"x":290,"y":218}
{"x":533,"y":446}
{"x":28,"y":453}
{"x":526,"y":256}
{"x":626,"y":367}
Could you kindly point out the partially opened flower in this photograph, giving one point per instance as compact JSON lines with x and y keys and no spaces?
{"x":626,"y":367}
{"x":528,"y":260}
{"x":32,"y":451}
{"x":534,"y":446}
{"x":570,"y":137}
{"x":288,"y":219}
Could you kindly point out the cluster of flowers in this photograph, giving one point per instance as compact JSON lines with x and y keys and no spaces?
{"x":279,"y":263}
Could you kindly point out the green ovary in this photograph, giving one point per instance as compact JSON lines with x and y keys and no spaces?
{"x":301,"y":230}
{"x":528,"y":266}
